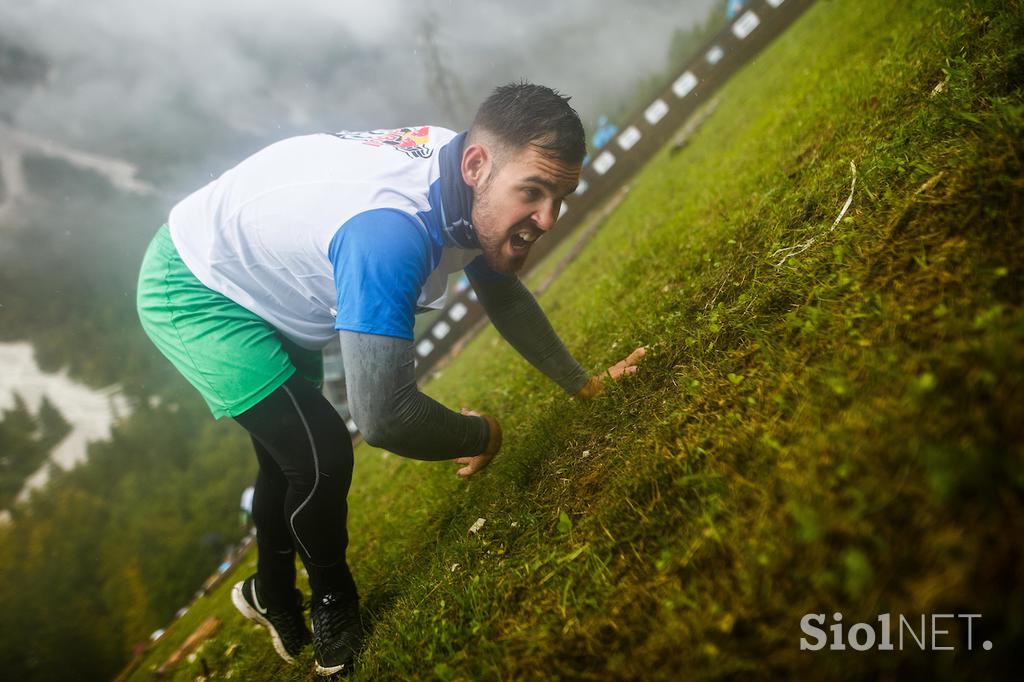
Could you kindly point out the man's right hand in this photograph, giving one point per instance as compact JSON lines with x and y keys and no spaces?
{"x":477,"y":462}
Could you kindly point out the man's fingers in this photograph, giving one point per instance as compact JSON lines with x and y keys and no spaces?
{"x":629,"y":365}
{"x":472,"y":466}
{"x":633,"y":358}
{"x":636,"y":355}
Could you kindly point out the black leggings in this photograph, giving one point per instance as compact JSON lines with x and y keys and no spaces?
{"x":305,"y":458}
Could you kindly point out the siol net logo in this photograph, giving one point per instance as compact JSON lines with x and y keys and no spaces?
{"x":931,"y":633}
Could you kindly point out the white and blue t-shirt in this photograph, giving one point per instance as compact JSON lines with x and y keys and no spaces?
{"x":325,"y":232}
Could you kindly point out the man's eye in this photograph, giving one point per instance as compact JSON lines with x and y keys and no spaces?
{"x":532,"y":193}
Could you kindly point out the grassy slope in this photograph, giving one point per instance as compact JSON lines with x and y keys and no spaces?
{"x":841,"y":433}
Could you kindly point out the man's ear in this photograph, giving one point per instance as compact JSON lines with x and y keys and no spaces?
{"x":476,"y":162}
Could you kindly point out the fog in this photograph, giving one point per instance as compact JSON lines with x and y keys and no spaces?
{"x":171,"y":85}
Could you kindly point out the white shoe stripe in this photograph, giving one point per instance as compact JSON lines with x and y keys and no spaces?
{"x":256,"y":600}
{"x":243,"y":606}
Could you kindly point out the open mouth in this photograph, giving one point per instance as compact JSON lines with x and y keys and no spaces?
{"x":522,"y":239}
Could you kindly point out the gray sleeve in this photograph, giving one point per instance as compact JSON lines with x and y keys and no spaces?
{"x":520,"y":319}
{"x":391,"y":412}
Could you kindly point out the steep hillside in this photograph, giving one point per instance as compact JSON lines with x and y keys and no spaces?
{"x":830,"y":417}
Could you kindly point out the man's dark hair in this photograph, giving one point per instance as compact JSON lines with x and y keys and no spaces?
{"x":521,"y":114}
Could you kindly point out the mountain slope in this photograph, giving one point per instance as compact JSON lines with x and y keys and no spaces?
{"x":829,"y":418}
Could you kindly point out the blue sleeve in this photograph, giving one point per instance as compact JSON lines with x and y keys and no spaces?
{"x":381,"y":259}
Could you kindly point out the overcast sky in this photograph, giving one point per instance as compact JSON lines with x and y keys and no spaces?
{"x":167,"y":80}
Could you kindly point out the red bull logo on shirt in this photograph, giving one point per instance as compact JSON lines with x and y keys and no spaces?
{"x":411,"y":141}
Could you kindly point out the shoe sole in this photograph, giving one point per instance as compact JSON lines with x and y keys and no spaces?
{"x":333,"y":670}
{"x":238,"y":599}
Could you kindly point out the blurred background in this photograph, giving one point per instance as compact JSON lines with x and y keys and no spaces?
{"x":112,"y":111}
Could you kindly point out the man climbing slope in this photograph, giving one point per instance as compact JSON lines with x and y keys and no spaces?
{"x":353,"y":234}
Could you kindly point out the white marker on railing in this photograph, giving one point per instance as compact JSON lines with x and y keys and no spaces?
{"x":424,"y":347}
{"x":684,"y":85}
{"x":604,"y":162}
{"x":745,"y":25}
{"x":629,"y":137}
{"x":656,"y":111}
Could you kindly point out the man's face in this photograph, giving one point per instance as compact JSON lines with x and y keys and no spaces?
{"x":517,"y":202}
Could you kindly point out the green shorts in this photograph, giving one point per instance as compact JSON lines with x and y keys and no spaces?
{"x":232,"y":356}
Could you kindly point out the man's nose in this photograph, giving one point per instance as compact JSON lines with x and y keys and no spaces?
{"x":546,"y":216}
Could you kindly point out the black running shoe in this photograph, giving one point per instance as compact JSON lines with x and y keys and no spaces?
{"x":337,"y":633}
{"x":287,"y":628}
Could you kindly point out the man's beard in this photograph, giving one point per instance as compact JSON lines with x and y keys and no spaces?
{"x":498,"y":259}
{"x":494,"y":246}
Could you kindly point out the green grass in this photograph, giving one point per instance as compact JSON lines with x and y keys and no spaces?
{"x":839,"y":433}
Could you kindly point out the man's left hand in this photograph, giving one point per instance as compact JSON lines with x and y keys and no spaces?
{"x":620,"y":369}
